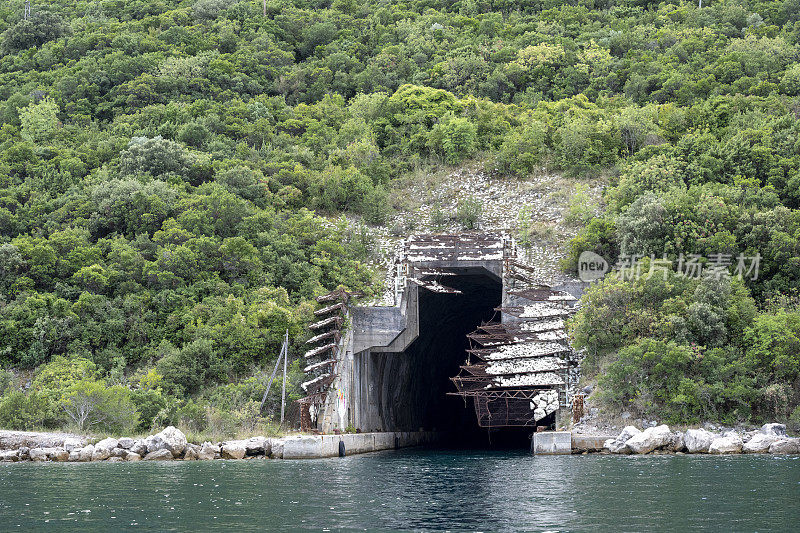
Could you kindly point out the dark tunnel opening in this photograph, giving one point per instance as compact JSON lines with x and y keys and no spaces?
{"x":436,"y":355}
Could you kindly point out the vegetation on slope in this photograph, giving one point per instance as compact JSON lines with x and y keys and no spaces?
{"x":157,"y":160}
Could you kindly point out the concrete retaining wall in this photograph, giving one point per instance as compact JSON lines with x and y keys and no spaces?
{"x":552,"y":443}
{"x":316,"y":446}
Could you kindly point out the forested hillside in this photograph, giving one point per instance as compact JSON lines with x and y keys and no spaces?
{"x":172,"y":175}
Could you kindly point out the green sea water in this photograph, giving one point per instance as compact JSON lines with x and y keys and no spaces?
{"x":409,"y":490}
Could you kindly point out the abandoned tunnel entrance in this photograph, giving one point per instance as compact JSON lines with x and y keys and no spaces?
{"x":435,"y":356}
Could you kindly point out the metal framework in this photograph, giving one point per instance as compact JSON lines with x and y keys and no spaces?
{"x":516,"y":372}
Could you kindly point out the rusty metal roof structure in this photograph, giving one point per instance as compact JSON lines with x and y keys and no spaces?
{"x":517,"y":370}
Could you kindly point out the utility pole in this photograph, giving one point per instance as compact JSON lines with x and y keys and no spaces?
{"x":285,"y":360}
{"x":28,"y":9}
{"x":285,"y":355}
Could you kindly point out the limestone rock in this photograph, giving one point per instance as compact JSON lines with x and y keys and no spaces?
{"x":133,"y":456}
{"x":126,"y":443}
{"x":191,"y":452}
{"x":650,"y":439}
{"x":71,"y":444}
{"x":86,"y":453}
{"x":257,"y":446}
{"x":139,"y":447}
{"x":233,"y":450}
{"x":697,"y":440}
{"x":100,"y":454}
{"x":730,"y":443}
{"x":208,"y":451}
{"x":39,"y":454}
{"x":170,"y":438}
{"x":616,"y":446}
{"x":106,"y":444}
{"x":159,"y":455}
{"x":785,"y":446}
{"x":24,"y":453}
{"x":9,"y":455}
{"x":678,"y":443}
{"x":276,"y":448}
{"x":759,"y":443}
{"x":627,"y":433}
{"x":779,"y":430}
{"x":115,"y":459}
{"x":119,"y":452}
{"x":74,"y":455}
{"x":49,"y":454}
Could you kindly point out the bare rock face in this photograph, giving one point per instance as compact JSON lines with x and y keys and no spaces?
{"x":650,"y":439}
{"x":208,"y":451}
{"x":171,"y":438}
{"x":730,"y":443}
{"x":759,"y":443}
{"x":233,"y":450}
{"x":159,"y":455}
{"x":779,"y":430}
{"x":126,"y":443}
{"x":698,"y":440}
{"x":784,"y":446}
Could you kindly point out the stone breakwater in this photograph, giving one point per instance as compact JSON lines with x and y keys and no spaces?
{"x":771,"y":438}
{"x":171,"y":444}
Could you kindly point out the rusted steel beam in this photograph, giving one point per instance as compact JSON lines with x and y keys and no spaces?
{"x":333,"y":334}
{"x":330,"y":309}
{"x":320,"y":350}
{"x":334,"y":320}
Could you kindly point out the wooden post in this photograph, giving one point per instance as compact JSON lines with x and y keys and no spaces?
{"x":285,"y":360}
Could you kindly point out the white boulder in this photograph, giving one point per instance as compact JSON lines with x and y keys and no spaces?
{"x":650,"y":439}
{"x":208,"y":451}
{"x":71,"y":444}
{"x":126,"y":443}
{"x":781,"y":446}
{"x":170,"y":438}
{"x":9,"y":455}
{"x":779,"y":430}
{"x":759,"y":443}
{"x":276,"y":448}
{"x":139,"y":447}
{"x":159,"y":455}
{"x":87,"y":452}
{"x":133,"y":456}
{"x":698,"y":440}
{"x":257,"y":446}
{"x":233,"y":450}
{"x":730,"y":443}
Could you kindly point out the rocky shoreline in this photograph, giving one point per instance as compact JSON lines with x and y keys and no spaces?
{"x":770,"y":438}
{"x":167,"y":445}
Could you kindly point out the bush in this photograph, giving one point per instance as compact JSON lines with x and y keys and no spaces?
{"x":25,"y":411}
{"x":468,"y":212}
{"x":91,"y":405}
{"x":523,"y":150}
{"x":187,"y":369}
{"x":455,"y":138}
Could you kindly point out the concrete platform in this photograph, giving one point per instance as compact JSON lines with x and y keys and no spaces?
{"x":589,"y":443}
{"x":317,"y":446}
{"x":552,"y":443}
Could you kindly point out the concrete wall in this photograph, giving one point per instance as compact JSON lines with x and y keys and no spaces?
{"x":317,"y":446}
